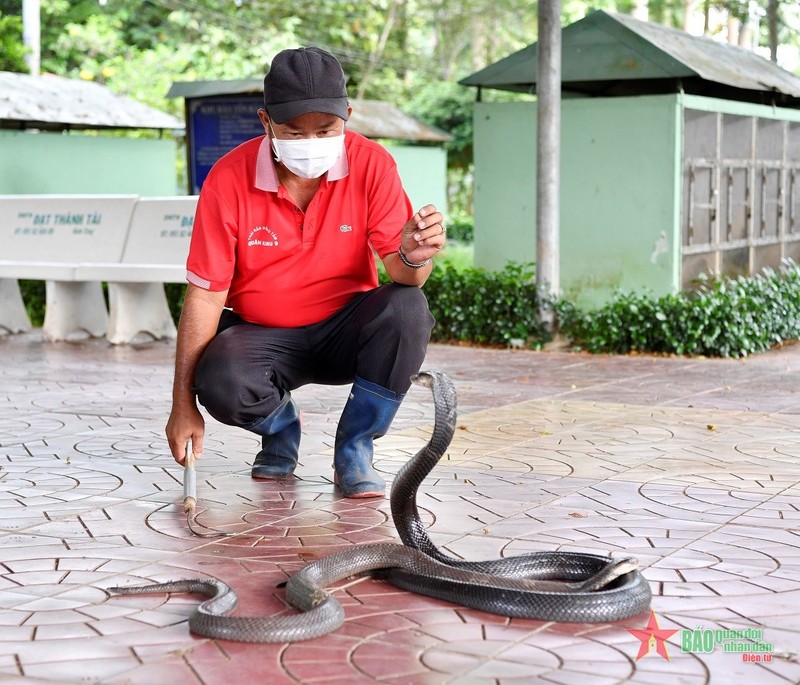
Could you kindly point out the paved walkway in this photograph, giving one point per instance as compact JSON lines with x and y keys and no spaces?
{"x":692,"y":465}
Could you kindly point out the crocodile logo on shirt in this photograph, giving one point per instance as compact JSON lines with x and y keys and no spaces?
{"x":261,"y":236}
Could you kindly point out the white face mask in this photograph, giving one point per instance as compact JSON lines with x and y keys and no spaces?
{"x":308,"y":157}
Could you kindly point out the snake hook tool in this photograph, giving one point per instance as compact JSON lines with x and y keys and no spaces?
{"x":190,"y":497}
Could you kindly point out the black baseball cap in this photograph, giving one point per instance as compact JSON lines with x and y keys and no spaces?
{"x":304,"y":80}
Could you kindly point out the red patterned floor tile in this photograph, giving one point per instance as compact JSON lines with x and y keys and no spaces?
{"x":688,"y":464}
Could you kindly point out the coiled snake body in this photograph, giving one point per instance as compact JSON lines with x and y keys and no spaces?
{"x":548,"y":586}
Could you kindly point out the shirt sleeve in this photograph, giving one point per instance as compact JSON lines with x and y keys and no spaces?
{"x":212,"y":250}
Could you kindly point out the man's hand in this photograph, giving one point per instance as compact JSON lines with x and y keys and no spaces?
{"x":185,"y":424}
{"x":424,"y":235}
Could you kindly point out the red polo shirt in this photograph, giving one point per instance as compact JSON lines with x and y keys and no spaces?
{"x":284,"y":267}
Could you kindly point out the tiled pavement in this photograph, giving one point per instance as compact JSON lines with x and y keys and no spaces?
{"x":692,"y":465}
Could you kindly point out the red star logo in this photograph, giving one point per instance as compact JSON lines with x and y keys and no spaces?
{"x":652,"y":634}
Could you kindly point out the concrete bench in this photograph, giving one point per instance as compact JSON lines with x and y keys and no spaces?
{"x":77,"y":242}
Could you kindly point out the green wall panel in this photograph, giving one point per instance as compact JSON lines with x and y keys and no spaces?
{"x":620,"y":196}
{"x":505,"y":183}
{"x":77,"y":163}
{"x":620,"y":203}
{"x":423,"y":171}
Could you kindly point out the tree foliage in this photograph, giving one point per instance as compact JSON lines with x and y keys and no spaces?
{"x":12,"y":52}
{"x":387,"y":47}
{"x":409,"y":52}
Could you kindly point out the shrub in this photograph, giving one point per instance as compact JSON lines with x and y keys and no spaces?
{"x":485,"y":307}
{"x":461,"y":228}
{"x":175,"y":293}
{"x":724,"y":317}
{"x":34,"y":296}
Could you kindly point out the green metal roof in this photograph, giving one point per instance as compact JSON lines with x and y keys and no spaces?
{"x":200,"y":89}
{"x":614,"y":54}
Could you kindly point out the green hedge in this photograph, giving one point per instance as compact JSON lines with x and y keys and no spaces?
{"x":485,"y":307}
{"x":461,"y":228}
{"x":175,"y":294}
{"x":726,"y":317}
{"x":34,"y":297}
{"x":722,"y":318}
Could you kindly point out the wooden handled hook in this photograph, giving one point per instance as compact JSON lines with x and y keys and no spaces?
{"x":190,"y":497}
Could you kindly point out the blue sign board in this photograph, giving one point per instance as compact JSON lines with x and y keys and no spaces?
{"x":216,"y":126}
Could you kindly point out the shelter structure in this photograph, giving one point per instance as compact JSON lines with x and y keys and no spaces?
{"x":680,"y":157}
{"x":222,"y":114}
{"x":50,"y":141}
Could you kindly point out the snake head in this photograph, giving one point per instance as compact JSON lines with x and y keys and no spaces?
{"x":423,"y":378}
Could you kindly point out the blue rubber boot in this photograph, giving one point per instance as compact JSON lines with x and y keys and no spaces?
{"x":367,"y":415}
{"x":280,"y":441}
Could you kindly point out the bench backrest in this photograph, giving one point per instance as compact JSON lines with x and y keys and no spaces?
{"x":64,"y":228}
{"x":160,"y":230}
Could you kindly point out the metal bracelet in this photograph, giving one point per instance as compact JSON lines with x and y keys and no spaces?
{"x":408,"y":262}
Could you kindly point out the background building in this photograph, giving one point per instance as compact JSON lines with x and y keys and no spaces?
{"x":679,"y":156}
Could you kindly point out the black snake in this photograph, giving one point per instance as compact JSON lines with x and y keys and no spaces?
{"x":547,"y":586}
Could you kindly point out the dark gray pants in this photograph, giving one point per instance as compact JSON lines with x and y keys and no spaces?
{"x":380,"y":335}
